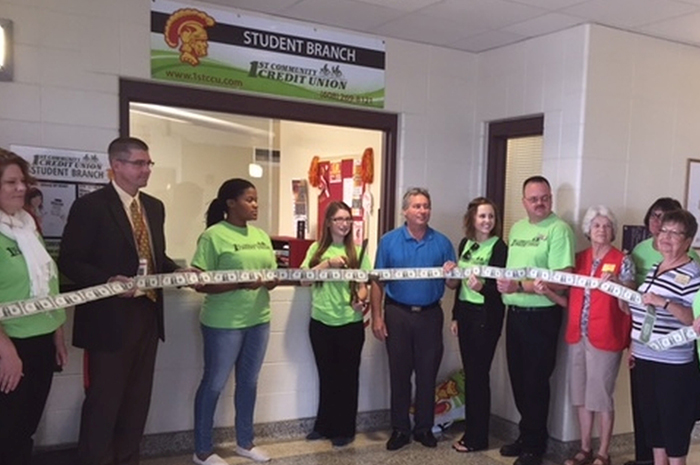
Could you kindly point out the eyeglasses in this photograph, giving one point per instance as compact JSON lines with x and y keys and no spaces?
{"x":468,"y":253}
{"x":341,"y":220}
{"x":140,"y":163}
{"x":672,"y":233}
{"x":543,"y":199}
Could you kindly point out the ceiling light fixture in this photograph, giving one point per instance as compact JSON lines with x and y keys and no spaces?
{"x":6,"y":62}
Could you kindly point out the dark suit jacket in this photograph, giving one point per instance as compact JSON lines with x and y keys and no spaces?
{"x":98,"y":243}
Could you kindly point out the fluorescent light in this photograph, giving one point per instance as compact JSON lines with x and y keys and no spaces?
{"x":155,"y":115}
{"x":6,"y":65}
{"x":195,"y":117}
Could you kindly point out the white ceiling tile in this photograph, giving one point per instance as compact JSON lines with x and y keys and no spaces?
{"x":493,"y":14}
{"x":475,"y":25}
{"x":629,"y":13}
{"x":486,"y":41}
{"x":421,"y":28}
{"x":403,"y":5}
{"x":267,"y":6}
{"x":552,"y":5}
{"x":343,"y":13}
{"x":685,"y":29}
{"x":543,"y":25}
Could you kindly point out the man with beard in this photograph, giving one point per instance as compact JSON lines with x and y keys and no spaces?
{"x":542,"y":240}
{"x":412,"y":322}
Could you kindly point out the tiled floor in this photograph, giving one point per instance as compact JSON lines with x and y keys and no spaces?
{"x":369,"y":449}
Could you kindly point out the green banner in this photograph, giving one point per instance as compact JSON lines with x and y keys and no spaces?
{"x":253,"y":54}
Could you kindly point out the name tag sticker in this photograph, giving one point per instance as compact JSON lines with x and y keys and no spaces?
{"x":682,"y":278}
{"x":608,"y":268}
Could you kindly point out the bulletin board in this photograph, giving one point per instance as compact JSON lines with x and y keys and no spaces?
{"x":341,"y":180}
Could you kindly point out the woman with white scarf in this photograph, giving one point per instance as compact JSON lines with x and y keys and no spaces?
{"x":30,"y":346}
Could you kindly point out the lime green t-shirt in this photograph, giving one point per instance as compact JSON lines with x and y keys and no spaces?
{"x":14,"y":285}
{"x":696,"y":313}
{"x":645,"y":256}
{"x":548,"y":244}
{"x":227,"y":247}
{"x":331,"y":300}
{"x":479,"y":254}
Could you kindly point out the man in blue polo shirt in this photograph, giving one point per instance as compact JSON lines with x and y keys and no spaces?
{"x":413,"y":320}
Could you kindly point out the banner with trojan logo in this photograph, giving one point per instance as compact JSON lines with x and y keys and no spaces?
{"x":201,"y":45}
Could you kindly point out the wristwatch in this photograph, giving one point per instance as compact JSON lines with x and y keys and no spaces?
{"x":666,"y":304}
{"x":520,"y":287}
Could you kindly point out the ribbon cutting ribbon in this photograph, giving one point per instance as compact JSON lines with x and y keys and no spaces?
{"x":163,"y":281}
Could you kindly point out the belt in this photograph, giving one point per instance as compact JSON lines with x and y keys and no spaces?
{"x":412,"y":308}
{"x":516,"y":309}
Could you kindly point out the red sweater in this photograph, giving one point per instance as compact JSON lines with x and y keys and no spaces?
{"x":608,"y":326}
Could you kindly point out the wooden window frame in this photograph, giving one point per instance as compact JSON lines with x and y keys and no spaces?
{"x":498,"y":135}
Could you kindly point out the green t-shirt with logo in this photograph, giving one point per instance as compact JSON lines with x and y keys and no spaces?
{"x":645,"y":256}
{"x":548,"y":244}
{"x":479,"y":254}
{"x":14,"y":285}
{"x":227,"y":247}
{"x":331,"y":300}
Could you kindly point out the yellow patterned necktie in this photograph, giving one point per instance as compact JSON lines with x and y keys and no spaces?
{"x":143,"y":242}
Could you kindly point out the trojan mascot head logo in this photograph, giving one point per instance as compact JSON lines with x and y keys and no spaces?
{"x":189,"y":27}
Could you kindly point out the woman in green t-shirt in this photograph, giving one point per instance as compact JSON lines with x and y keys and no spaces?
{"x":336,"y":329}
{"x":30,"y":346}
{"x":477,"y":318}
{"x":235,"y":318}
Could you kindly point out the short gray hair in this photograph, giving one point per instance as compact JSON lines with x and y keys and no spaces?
{"x":412,"y":192}
{"x":592,"y":213}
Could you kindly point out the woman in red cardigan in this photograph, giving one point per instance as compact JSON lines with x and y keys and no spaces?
{"x":598,"y":331}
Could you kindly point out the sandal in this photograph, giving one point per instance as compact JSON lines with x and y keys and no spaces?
{"x":600,"y":460}
{"x":461,"y":447}
{"x":582,"y":457}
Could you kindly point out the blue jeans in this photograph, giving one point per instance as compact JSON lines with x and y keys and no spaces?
{"x":222,"y":349}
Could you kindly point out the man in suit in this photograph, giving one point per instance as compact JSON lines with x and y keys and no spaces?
{"x":111,"y":234}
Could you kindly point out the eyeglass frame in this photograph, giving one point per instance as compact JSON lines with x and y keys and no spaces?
{"x":139,"y":163}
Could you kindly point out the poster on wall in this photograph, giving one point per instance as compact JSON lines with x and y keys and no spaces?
{"x":300,"y":196}
{"x":338,"y":183}
{"x":62,"y":176}
{"x":214,"y":47}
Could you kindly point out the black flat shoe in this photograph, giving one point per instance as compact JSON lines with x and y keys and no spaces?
{"x":397,"y":440}
{"x":314,"y":436}
{"x":527,"y":458}
{"x":426,"y":438}
{"x":342,"y":441}
{"x":512,"y":450}
{"x":462,"y":447}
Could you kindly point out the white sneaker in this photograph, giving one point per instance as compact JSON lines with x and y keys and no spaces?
{"x":256,"y":454}
{"x":213,"y":459}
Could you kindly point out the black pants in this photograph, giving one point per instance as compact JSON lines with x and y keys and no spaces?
{"x":478,"y":330}
{"x":21,"y":409}
{"x":642,"y":451}
{"x":668,"y":394}
{"x":531,"y":349}
{"x":415,"y":345}
{"x":118,"y":392}
{"x":337,"y":350}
